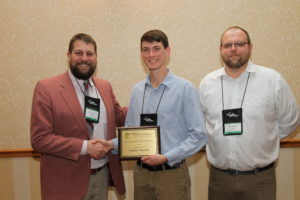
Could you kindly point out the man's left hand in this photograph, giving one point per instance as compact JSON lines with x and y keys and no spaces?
{"x":154,"y":160}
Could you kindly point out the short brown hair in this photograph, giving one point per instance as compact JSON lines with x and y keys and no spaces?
{"x":155,"y":36}
{"x":236,"y":27}
{"x":84,"y":37}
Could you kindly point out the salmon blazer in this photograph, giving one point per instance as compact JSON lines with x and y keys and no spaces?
{"x":58,"y":129}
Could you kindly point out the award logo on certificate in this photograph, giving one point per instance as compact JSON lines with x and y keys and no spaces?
{"x":136,"y":142}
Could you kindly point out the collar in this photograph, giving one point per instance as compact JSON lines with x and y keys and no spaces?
{"x":167,"y":80}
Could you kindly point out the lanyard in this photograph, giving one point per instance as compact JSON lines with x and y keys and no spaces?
{"x":244,"y":91}
{"x":82,"y":90}
{"x":158,"y":102}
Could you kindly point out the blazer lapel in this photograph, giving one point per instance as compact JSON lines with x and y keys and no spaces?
{"x":69,"y":95}
{"x":107,"y":99}
{"x":104,"y":95}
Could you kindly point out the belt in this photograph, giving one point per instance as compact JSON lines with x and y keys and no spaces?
{"x":159,"y":167}
{"x":95,"y":171}
{"x":237,"y":172}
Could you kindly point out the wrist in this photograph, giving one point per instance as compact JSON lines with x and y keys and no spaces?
{"x":110,"y":145}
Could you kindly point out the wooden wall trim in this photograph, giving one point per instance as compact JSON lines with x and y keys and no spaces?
{"x":287,"y":143}
{"x":18,"y":153}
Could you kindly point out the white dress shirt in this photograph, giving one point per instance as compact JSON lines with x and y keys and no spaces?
{"x":270,"y":112}
{"x":100,"y":129}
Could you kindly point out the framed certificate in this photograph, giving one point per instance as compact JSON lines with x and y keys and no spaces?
{"x":136,"y":142}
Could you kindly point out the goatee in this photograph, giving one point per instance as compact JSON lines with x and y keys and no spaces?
{"x":235,"y":65}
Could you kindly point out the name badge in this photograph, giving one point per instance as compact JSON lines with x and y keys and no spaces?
{"x":148,"y":119}
{"x":92,"y":109}
{"x":232,"y":122}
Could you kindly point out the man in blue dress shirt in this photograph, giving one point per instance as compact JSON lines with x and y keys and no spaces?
{"x":173,"y":102}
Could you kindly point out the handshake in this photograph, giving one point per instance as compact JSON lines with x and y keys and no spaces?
{"x":98,"y":148}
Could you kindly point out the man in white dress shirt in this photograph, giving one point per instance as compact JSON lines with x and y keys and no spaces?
{"x":248,"y":108}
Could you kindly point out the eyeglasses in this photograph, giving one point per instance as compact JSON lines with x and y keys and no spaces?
{"x":236,"y":44}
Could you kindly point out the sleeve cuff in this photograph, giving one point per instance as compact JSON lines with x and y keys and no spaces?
{"x":84,"y":148}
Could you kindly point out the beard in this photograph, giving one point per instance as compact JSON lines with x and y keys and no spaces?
{"x":236,"y":64}
{"x":82,"y":75}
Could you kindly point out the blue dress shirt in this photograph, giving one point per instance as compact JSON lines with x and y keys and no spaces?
{"x":179,"y":115}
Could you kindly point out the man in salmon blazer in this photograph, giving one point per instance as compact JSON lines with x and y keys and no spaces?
{"x":73,"y":115}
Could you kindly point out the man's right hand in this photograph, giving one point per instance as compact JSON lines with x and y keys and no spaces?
{"x":97,"y":148}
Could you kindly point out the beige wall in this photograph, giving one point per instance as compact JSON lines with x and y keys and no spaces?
{"x":35,"y":35}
